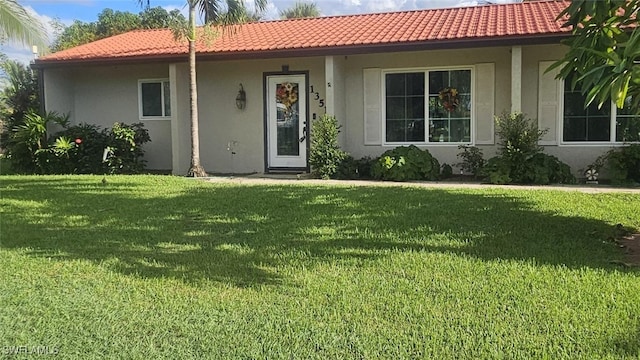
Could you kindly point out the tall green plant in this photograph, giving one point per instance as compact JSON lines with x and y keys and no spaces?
{"x":19,"y":96}
{"x":520,"y":159}
{"x":325,"y":155}
{"x":29,"y":138}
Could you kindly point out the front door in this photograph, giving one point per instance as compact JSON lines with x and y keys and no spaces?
{"x":286,"y":122}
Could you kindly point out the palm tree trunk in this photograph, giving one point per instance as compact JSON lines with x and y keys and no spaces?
{"x":196,"y":169}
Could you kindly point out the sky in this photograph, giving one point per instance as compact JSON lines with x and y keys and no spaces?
{"x":66,"y":11}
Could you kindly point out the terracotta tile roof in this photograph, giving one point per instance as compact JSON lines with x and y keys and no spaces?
{"x":462,"y":26}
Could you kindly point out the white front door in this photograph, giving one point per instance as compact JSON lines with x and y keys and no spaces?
{"x":287,"y":121}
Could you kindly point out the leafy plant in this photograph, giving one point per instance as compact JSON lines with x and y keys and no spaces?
{"x":325,"y":155}
{"x":520,"y":159}
{"x":352,"y":169}
{"x":406,"y":163}
{"x":125,"y":148}
{"x":446,"y":171}
{"x":472,"y":159}
{"x":28,"y":138}
{"x":622,"y":163}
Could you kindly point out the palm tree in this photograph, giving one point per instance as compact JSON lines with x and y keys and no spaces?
{"x":17,"y":25}
{"x":301,"y":10}
{"x":214,"y":13}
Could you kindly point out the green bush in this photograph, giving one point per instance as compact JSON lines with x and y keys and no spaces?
{"x":325,"y":154}
{"x":80,"y":149}
{"x":27,"y":140}
{"x":622,"y":163}
{"x":406,"y":163}
{"x":125,"y":151}
{"x":446,"y":171}
{"x":352,"y":169}
{"x":472,"y":160}
{"x":520,"y":159}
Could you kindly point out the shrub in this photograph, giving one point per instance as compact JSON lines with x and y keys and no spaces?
{"x":406,"y":163}
{"x":125,"y":152}
{"x":325,"y":155}
{"x":352,"y":169}
{"x":28,"y":139}
{"x":472,"y":160}
{"x":622,"y":163}
{"x":80,"y":149}
{"x":90,"y":142}
{"x":446,"y":171}
{"x":520,"y":159}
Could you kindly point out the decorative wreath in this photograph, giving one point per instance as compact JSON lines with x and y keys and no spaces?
{"x":449,"y":98}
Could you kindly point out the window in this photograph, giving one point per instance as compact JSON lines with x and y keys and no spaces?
{"x":155,"y":98}
{"x":607,"y":124}
{"x":439,"y":98}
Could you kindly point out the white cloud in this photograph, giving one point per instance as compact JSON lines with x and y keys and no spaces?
{"x":24,"y":53}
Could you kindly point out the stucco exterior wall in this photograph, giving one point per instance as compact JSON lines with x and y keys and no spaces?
{"x":225,"y":129}
{"x":107,"y":94}
{"x":425,"y":59}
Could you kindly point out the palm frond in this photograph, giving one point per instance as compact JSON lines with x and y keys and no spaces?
{"x":17,"y":25}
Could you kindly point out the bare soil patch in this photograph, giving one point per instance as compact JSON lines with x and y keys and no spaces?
{"x":631,"y":245}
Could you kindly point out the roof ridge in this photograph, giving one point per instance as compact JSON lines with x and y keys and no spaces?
{"x":395,"y":12}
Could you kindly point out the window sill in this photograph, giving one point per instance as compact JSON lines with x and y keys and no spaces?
{"x":155,"y":118}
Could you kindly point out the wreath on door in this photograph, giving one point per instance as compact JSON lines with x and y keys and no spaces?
{"x":449,"y":98}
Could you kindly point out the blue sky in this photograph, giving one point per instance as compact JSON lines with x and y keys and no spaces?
{"x":67,"y":11}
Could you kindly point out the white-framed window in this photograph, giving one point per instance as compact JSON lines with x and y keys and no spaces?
{"x":154,"y":98}
{"x":427,"y":106}
{"x":607,"y":124}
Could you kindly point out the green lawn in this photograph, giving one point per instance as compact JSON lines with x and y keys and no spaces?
{"x":151,"y":267}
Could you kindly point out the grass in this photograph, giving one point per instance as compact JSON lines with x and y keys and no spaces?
{"x":164,"y":267}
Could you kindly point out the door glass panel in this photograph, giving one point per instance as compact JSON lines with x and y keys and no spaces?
{"x":288,"y":119}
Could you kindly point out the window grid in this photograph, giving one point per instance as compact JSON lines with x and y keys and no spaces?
{"x":400,"y":110}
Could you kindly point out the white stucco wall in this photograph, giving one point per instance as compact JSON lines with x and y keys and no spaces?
{"x":224,"y":128}
{"x":103,"y":95}
{"x":425,"y":59}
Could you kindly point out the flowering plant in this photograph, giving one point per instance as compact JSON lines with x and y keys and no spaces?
{"x":449,"y":98}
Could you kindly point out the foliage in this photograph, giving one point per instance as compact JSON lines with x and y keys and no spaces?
{"x":622,"y":163}
{"x":325,"y":154}
{"x":520,"y":159}
{"x":406,"y":163}
{"x":352,"y":169}
{"x":301,"y":10}
{"x":28,"y":139}
{"x":161,"y":267}
{"x":539,"y":169}
{"x":472,"y":160}
{"x":604,"y":50}
{"x":112,"y":23}
{"x":446,"y":171}
{"x":19,"y":97}
{"x":17,"y":25}
{"x":78,"y":149}
{"x":125,"y":151}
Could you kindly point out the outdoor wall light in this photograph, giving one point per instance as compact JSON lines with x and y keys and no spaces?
{"x":241,"y":99}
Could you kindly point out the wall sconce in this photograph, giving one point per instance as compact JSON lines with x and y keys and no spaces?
{"x":241,"y":99}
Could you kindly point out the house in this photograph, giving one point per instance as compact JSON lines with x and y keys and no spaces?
{"x":433,"y":78}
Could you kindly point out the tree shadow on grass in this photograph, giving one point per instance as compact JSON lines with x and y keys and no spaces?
{"x":243,"y":235}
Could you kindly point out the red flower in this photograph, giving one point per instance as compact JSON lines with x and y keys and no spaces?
{"x":78,"y":141}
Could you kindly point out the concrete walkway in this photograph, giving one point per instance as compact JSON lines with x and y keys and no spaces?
{"x":288,"y":179}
